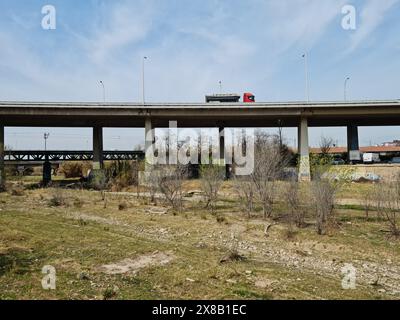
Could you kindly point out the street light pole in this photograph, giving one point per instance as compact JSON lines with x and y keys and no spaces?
{"x":345,"y":88}
{"x":143,"y":83}
{"x":104,"y":91}
{"x":306,"y":76}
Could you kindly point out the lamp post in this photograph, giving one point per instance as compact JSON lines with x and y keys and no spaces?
{"x":345,"y":88}
{"x":143,"y":83}
{"x":104,"y":91}
{"x":46,"y":136}
{"x":305,"y":56}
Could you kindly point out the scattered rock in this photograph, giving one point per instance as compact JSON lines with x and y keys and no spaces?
{"x":83,"y":276}
{"x":231,"y":281}
{"x":134,"y":265}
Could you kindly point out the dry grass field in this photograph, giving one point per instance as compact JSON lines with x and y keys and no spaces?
{"x":121,"y":246}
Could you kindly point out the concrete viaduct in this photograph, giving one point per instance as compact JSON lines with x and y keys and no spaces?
{"x":202,"y":115}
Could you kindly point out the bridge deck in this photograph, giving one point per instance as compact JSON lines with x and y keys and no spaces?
{"x":199,"y":114}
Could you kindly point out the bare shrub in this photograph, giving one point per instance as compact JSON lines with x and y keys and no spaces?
{"x":74,"y":169}
{"x":57,"y":199}
{"x":323,"y":193}
{"x":388,"y":206}
{"x":325,"y":185}
{"x":170,"y":184}
{"x":211,"y":179}
{"x":122,"y":206}
{"x":269,"y":162}
{"x":368,"y":201}
{"x":297,"y":212}
{"x":78,"y":203}
{"x":17,"y":190}
{"x":122,"y":174}
{"x":244,"y":189}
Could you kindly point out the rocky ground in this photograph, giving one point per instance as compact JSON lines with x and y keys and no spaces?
{"x":121,"y":246}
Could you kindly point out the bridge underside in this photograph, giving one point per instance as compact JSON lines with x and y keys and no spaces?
{"x":150,"y":116}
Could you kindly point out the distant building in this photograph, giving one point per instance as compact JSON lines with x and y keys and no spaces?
{"x":394,"y":143}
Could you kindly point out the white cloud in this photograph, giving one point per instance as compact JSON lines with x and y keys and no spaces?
{"x":371,"y":17}
{"x":125,"y":24}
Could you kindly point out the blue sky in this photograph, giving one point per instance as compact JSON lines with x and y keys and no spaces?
{"x":254,"y":46}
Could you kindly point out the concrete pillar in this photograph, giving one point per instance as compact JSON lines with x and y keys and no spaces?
{"x":222,"y":155}
{"x":304,"y":152}
{"x":97,"y":148}
{"x":221,"y":146}
{"x":149,"y":140}
{"x":2,"y":169}
{"x":353,"y":148}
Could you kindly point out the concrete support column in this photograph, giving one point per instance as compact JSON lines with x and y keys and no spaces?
{"x":149,"y":140}
{"x":353,"y":148}
{"x":222,"y":146}
{"x":222,"y":155}
{"x":2,"y":169}
{"x":97,"y":148}
{"x":304,"y":152}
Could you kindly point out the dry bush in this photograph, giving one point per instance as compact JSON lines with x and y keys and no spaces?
{"x":57,"y":199}
{"x":122,"y":206}
{"x":323,"y":194}
{"x":387,"y":201}
{"x":74,"y":169}
{"x":17,"y":190}
{"x":170,"y":184}
{"x":78,"y":203}
{"x":122,"y":173}
{"x":269,"y":163}
{"x":297,"y":212}
{"x":244,"y":189}
{"x":211,"y":179}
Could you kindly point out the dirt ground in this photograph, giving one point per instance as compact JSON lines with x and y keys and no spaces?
{"x":121,"y":246}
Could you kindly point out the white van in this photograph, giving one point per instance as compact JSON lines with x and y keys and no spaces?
{"x":371,"y":158}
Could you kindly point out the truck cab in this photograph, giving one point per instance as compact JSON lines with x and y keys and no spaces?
{"x":249,"y":98}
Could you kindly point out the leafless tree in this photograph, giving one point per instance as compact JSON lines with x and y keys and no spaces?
{"x":211,"y":179}
{"x":326,"y":145}
{"x":269,"y":163}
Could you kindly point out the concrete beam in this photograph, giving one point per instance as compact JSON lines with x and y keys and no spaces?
{"x":2,"y":169}
{"x":353,"y":147}
{"x":304,"y":151}
{"x":97,"y":148}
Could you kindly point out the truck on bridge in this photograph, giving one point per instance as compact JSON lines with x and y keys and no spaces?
{"x":229,"y":98}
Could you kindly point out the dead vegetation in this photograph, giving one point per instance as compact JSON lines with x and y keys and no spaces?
{"x":211,"y":179}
